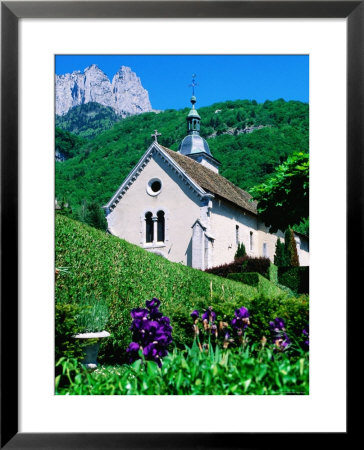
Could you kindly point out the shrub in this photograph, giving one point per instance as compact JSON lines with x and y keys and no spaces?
{"x":296,"y":278}
{"x":92,"y":214}
{"x":264,"y":286}
{"x":293,"y":310}
{"x":262,"y":308}
{"x":224,"y":269}
{"x":242,"y":264}
{"x":65,"y":327}
{"x":251,"y":278}
{"x":240,"y":252}
{"x":259,"y":265}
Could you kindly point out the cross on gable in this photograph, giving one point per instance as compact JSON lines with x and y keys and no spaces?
{"x":155,"y":135}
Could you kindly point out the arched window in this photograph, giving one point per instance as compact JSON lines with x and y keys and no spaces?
{"x":149,"y":227}
{"x":160,"y":226}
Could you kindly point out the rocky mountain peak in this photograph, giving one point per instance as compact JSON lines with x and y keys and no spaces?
{"x":125,"y":94}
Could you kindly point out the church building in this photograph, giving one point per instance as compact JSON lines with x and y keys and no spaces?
{"x":176,"y":204}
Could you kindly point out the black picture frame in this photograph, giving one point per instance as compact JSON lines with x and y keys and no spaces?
{"x":11,"y":12}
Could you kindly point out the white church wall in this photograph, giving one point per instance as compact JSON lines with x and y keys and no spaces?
{"x":252,"y":232}
{"x":180,"y":204}
{"x":303,"y":250}
{"x":267,"y":241}
{"x":223,"y":221}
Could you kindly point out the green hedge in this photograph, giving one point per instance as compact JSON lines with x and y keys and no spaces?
{"x":264,"y":286}
{"x":126,"y":275}
{"x":273,"y":274}
{"x":296,"y":278}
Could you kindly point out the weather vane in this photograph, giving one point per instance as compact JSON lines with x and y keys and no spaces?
{"x":194,"y":84}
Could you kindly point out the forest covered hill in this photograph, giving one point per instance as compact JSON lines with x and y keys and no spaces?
{"x":249,"y":139}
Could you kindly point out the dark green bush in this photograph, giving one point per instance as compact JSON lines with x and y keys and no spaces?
{"x":296,"y":278}
{"x":259,"y":265}
{"x":242,"y":264}
{"x":263,"y":308}
{"x":293,"y":310}
{"x":65,"y":327}
{"x":251,"y":278}
{"x":264,"y":286}
{"x":225,"y":269}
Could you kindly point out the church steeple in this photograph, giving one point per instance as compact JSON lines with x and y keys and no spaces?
{"x":193,"y":119}
{"x":193,"y":145}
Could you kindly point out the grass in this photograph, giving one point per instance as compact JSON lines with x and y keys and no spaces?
{"x":237,"y":371}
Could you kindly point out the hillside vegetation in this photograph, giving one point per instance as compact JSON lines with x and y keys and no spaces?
{"x":88,"y":120}
{"x":96,"y":264}
{"x":249,"y":140}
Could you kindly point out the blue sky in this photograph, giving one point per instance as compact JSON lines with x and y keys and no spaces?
{"x":219,"y":77}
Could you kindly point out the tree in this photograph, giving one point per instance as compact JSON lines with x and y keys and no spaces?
{"x":280,"y":257}
{"x":283,"y":200}
{"x":290,"y":248}
{"x":93,"y":215}
{"x":240,"y":252}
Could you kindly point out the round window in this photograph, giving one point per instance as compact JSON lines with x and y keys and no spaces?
{"x":154,"y":186}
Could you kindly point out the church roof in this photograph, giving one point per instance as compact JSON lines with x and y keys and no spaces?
{"x":193,"y":143}
{"x":212,"y":181}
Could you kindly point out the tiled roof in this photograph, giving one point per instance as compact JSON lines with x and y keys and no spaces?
{"x":212,"y":181}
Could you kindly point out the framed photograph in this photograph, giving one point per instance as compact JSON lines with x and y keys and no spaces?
{"x":38,"y":36}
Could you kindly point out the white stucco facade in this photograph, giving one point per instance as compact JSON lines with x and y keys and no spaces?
{"x":199,"y":228}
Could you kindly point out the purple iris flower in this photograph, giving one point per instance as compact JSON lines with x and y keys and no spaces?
{"x":155,"y":313}
{"x":154,"y":303}
{"x":286,"y":340}
{"x":195,"y":314}
{"x":151,"y":331}
{"x":139,"y":313}
{"x":242,"y":313}
{"x":241,"y":320}
{"x":132,"y":351}
{"x":277,"y":324}
{"x":165,"y":321}
{"x":209,"y":315}
{"x":279,"y":335}
{"x":306,"y":332}
{"x":150,"y":351}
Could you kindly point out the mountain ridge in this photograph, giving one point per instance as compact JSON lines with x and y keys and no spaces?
{"x":124,"y":93}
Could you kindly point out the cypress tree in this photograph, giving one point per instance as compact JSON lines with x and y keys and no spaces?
{"x":240,"y":252}
{"x":290,"y":248}
{"x":280,"y":257}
